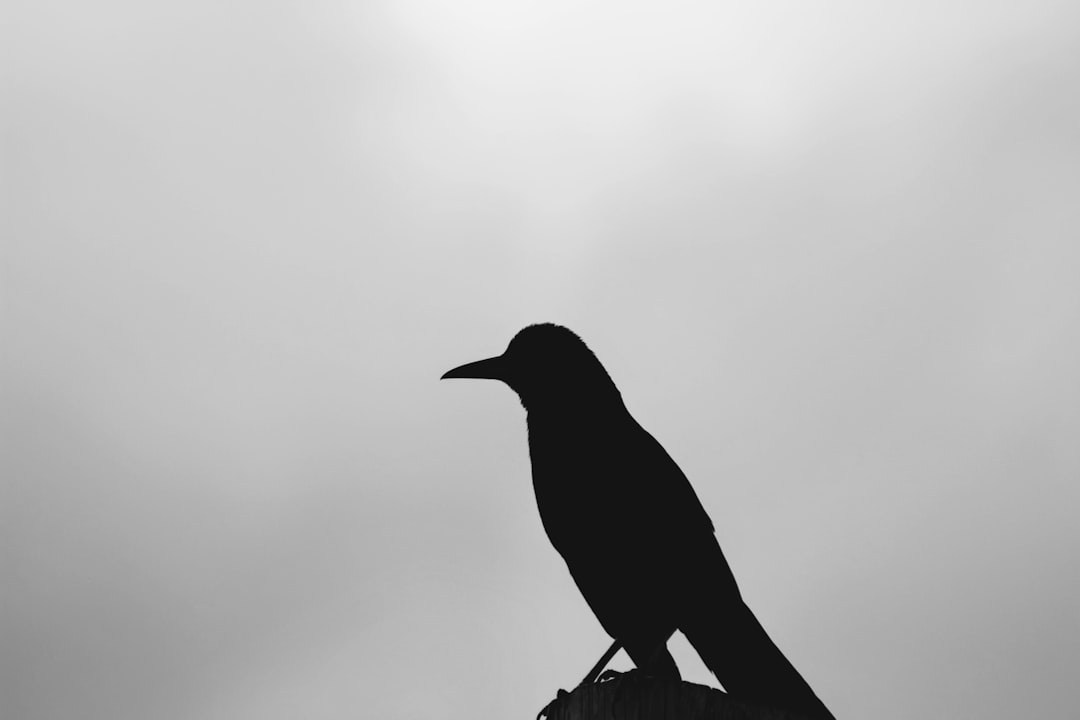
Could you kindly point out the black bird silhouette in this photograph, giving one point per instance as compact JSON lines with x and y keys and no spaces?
{"x":634,"y":535}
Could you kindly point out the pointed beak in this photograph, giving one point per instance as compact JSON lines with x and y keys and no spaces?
{"x":488,"y":369}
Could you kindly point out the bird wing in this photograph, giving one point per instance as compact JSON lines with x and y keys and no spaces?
{"x":629,"y":525}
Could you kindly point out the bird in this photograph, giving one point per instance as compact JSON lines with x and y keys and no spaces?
{"x":633,"y":533}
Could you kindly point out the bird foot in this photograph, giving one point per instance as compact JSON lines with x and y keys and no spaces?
{"x":606,"y":676}
{"x":633,"y":674}
{"x":548,"y":709}
{"x":621,"y":679}
{"x":620,"y":682}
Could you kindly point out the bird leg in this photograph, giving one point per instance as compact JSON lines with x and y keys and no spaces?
{"x":604,"y":660}
{"x":659,"y":666}
{"x":651,"y":659}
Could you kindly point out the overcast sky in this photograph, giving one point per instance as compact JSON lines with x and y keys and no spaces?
{"x":829,"y":252}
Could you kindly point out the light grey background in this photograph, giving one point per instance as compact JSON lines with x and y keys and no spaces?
{"x":828,"y":251}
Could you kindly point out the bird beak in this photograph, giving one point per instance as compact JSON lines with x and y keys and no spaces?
{"x":488,"y":369}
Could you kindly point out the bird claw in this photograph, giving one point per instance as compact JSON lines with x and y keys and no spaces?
{"x":546,"y":711}
{"x":609,"y":675}
{"x":620,"y":681}
{"x":621,"y":676}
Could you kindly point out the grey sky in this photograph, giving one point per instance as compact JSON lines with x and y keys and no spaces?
{"x":830,"y":255}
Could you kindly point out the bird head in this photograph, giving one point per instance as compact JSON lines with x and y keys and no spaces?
{"x":546,"y":365}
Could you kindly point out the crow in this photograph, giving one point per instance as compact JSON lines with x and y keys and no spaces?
{"x":636,"y":539}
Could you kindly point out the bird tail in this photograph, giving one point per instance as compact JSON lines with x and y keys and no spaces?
{"x":736,"y":648}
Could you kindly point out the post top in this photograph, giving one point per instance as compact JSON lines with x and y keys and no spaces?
{"x":631,"y":697}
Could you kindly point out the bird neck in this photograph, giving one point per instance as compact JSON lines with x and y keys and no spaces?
{"x":574,"y":411}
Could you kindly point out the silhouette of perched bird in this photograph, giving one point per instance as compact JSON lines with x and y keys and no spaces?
{"x":634,"y":535}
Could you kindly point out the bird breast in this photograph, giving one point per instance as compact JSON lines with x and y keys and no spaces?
{"x":579,"y":474}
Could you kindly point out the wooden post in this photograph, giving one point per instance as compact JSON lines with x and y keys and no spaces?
{"x":635,"y":698}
